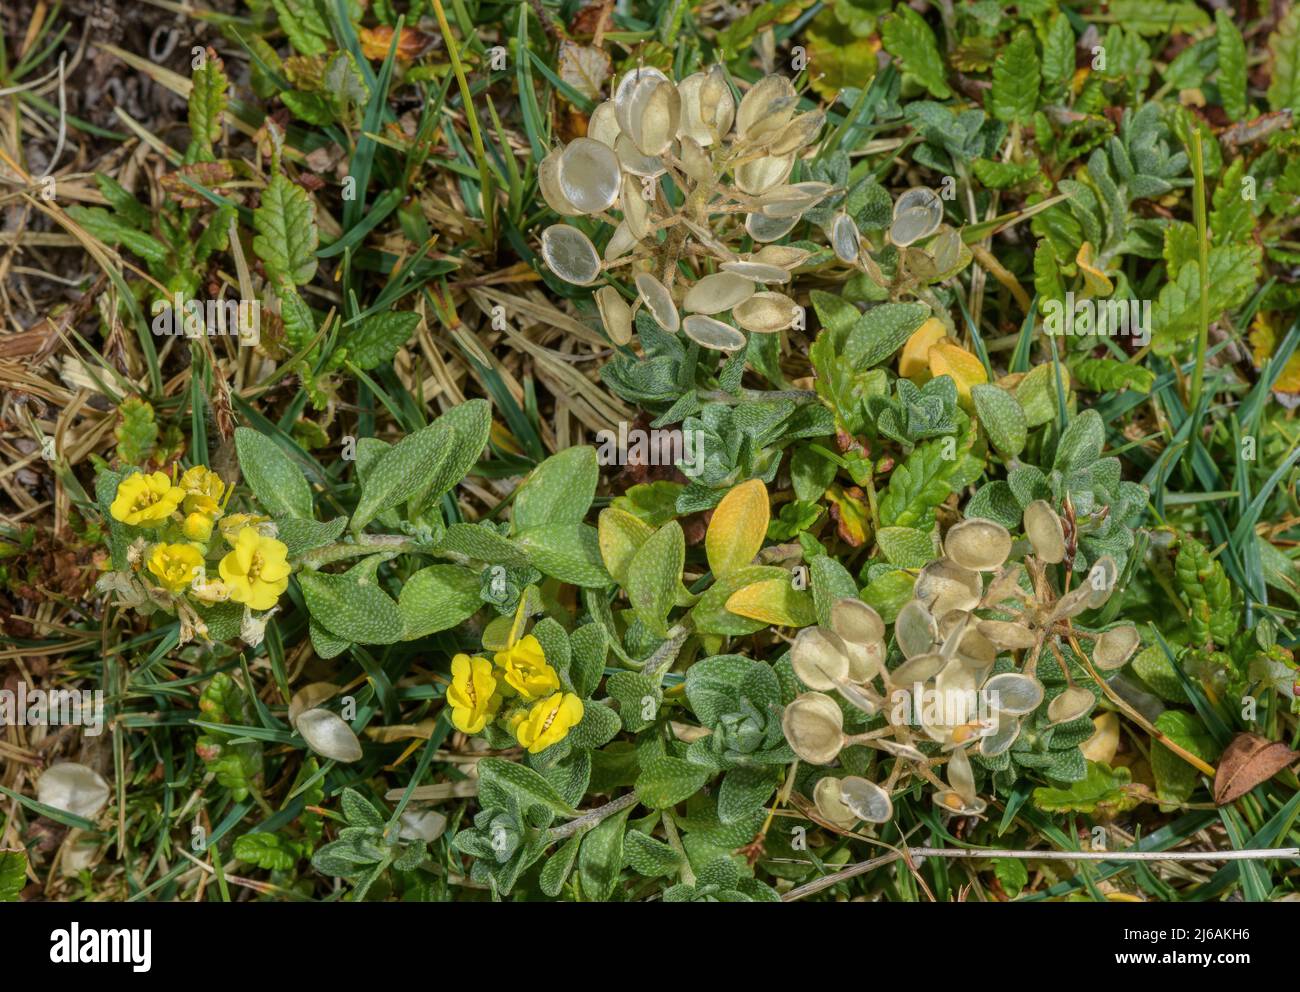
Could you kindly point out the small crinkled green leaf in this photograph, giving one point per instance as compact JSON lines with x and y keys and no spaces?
{"x":1101,"y":788}
{"x":377,"y":338}
{"x":666,"y":781}
{"x":906,"y":35}
{"x":401,"y":471}
{"x":287,"y":236}
{"x":1016,"y":77}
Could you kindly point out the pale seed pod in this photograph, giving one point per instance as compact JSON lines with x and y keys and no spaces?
{"x":763,"y":229}
{"x":765,"y":313}
{"x":548,"y":181}
{"x":328,"y":735}
{"x":659,"y":302}
{"x":757,"y":271}
{"x":1045,"y":531}
{"x":819,"y":659}
{"x":915,"y":630}
{"x":761,"y":174}
{"x":1013,"y":693}
{"x":1115,"y":647}
{"x":615,"y":314}
{"x":800,"y":132}
{"x":826,"y":797}
{"x":570,"y":254}
{"x":1073,"y":703}
{"x":814,"y":727}
{"x":714,"y":334}
{"x":845,"y":239}
{"x":589,"y":175}
{"x":978,"y":544}
{"x":856,"y":622}
{"x":602,"y":126}
{"x":867,"y":801}
{"x":73,"y":788}
{"x":717,"y":292}
{"x":766,"y":108}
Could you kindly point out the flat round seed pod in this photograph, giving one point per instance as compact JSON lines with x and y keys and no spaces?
{"x":953,"y":683}
{"x":960,"y":776}
{"x":845,"y":239}
{"x":548,"y":181}
{"x":692,"y":123}
{"x":1002,"y":736}
{"x":1115,"y":647}
{"x":603,"y":125}
{"x":763,"y":229}
{"x":1007,"y":635}
{"x":978,"y":544}
{"x":793,"y":200}
{"x":1045,"y":531}
{"x":1005,"y":585}
{"x":695,"y":160}
{"x":766,"y":313}
{"x":920,"y":669}
{"x":826,"y":797}
{"x":915,"y":630}
{"x":951,"y":801}
{"x":632,"y":92}
{"x":866,"y":661}
{"x":951,"y":626}
{"x":570,"y":254}
{"x":819,"y":659}
{"x":634,"y":161}
{"x":328,"y":735}
{"x":867,"y":801}
{"x":814,"y":727}
{"x":1072,"y":603}
{"x":717,"y":104}
{"x":920,"y":198}
{"x":710,"y":333}
{"x":761,"y":174}
{"x":636,"y":208}
{"x":589,"y":175}
{"x":632,"y":77}
{"x":1073,"y":703}
{"x":801,"y":131}
{"x":976,"y":650}
{"x":757,"y":271}
{"x":615,"y":314}
{"x":1101,"y":581}
{"x":73,"y":788}
{"x":856,"y":621}
{"x":781,"y":256}
{"x":653,"y":115}
{"x":717,"y":292}
{"x":944,"y":585}
{"x":917,"y":215}
{"x":620,"y":243}
{"x":1013,"y":693}
{"x":659,"y":302}
{"x":770,"y":103}
{"x":425,"y":825}
{"x":946,"y":250}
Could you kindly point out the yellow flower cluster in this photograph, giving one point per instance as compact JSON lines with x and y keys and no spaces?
{"x":183,"y":513}
{"x":542,"y":714}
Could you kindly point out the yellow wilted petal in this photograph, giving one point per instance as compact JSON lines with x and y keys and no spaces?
{"x":915,"y":361}
{"x":620,"y":535}
{"x":1096,"y":282}
{"x":1103,"y":743}
{"x":774,"y":601}
{"x":966,"y":370}
{"x":738,"y":527}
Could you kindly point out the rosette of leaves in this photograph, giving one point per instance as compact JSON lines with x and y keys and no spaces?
{"x":370,"y":844}
{"x":1104,"y":509}
{"x":739,"y":702}
{"x":915,"y":414}
{"x":236,"y":765}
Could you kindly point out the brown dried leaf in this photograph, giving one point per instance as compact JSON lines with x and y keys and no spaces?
{"x":1249,"y":760}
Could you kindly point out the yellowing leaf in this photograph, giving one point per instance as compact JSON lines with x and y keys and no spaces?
{"x":1263,"y":340}
{"x":914,"y":363}
{"x":584,"y":67}
{"x":966,"y":370}
{"x":375,"y":43}
{"x":774,"y":601}
{"x":620,"y":535}
{"x":849,"y":511}
{"x":737,"y":529}
{"x":1096,"y":282}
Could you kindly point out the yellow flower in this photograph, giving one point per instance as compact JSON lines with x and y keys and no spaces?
{"x":203,"y":491}
{"x":175,"y":565}
{"x":526,"y":670}
{"x":197,"y":526}
{"x":256,"y":570}
{"x":549,"y":722}
{"x":145,"y":500}
{"x":472,"y":694}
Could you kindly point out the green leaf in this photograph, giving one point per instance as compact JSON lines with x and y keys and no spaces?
{"x":666,"y":781}
{"x":637,"y":695}
{"x":276,"y":481}
{"x":270,"y":851}
{"x":13,"y":874}
{"x":889,"y":592}
{"x":743,"y":792}
{"x":1002,"y":417}
{"x":1176,"y":780}
{"x":287,"y":237}
{"x":206,"y":105}
{"x":1011,"y":872}
{"x":1058,"y":54}
{"x":377,"y":339}
{"x":649,"y":857}
{"x":353,"y":607}
{"x":114,"y":231}
{"x":1108,"y":375}
{"x":1081,"y":443}
{"x":906,"y":35}
{"x":1154,"y":17}
{"x":508,"y":778}
{"x":655,"y":576}
{"x":569,"y":552}
{"x":1232,"y":65}
{"x":1101,"y":789}
{"x":1175,"y":315}
{"x":304,"y":26}
{"x":881,"y":331}
{"x":1016,"y":75}
{"x":830,"y":582}
{"x":600,"y":860}
{"x":402,"y":471}
{"x":558,"y":491}
{"x":437,"y":598}
{"x":301,"y":534}
{"x":918,"y":485}
{"x":559,"y":866}
{"x":1284,"y":46}
{"x":905,"y":546}
{"x":471,"y":423}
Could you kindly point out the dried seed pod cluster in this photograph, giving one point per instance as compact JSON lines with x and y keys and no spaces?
{"x":683,"y":173}
{"x":970,"y":608}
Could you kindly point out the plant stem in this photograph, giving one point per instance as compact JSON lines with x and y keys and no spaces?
{"x":361,"y":545}
{"x":590,"y":819}
{"x":1203,"y":250}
